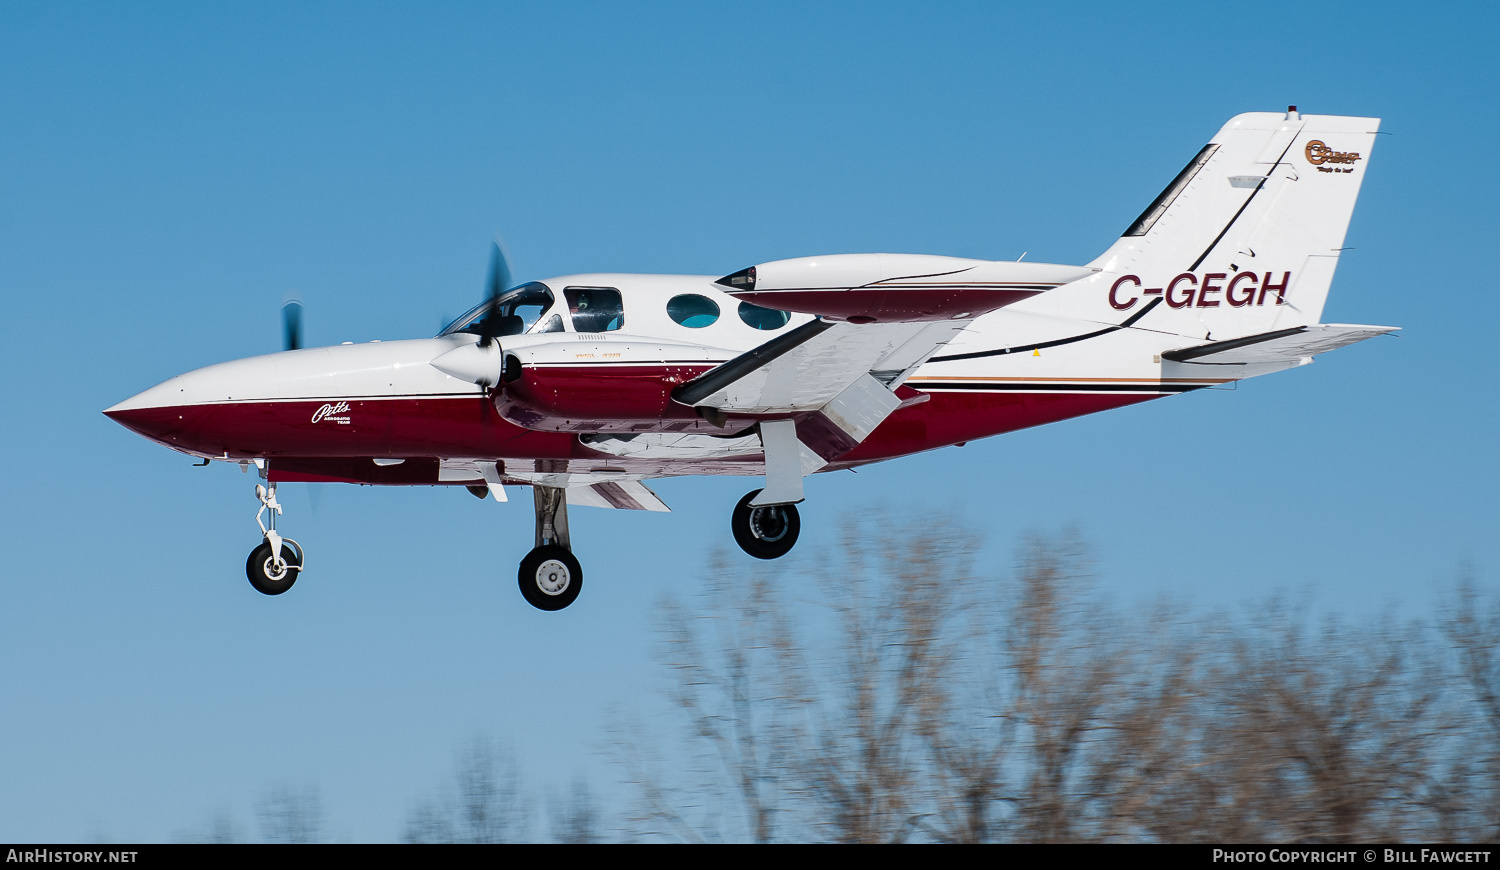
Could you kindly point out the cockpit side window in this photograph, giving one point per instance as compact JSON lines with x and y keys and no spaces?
{"x":595,"y":309}
{"x":554,"y":324}
{"x":516,"y":311}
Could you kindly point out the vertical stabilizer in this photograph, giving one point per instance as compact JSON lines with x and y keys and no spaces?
{"x":1244,"y":240}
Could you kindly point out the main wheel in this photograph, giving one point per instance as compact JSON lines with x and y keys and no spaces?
{"x":765,"y":532}
{"x":550,"y":578}
{"x":265,"y":576}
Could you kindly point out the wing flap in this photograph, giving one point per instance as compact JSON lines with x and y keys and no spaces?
{"x":627,"y":495}
{"x":585,"y":489}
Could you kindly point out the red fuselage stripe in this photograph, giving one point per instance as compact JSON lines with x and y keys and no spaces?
{"x":470,"y":427}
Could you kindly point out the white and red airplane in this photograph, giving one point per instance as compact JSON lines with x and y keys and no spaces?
{"x":586,"y":386}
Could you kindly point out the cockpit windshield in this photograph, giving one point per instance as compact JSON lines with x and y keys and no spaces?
{"x":518,"y":309}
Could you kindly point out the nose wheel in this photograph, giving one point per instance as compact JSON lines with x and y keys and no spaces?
{"x":269,"y":575}
{"x":275,"y":565}
{"x":767,"y":532}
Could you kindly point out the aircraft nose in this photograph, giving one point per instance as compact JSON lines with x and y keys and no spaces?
{"x":225,"y":407}
{"x":157,"y":413}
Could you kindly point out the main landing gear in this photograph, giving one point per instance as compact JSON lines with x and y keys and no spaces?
{"x":766,"y":532}
{"x":274,"y":565}
{"x":550,"y":576}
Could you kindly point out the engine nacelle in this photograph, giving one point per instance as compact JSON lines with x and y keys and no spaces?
{"x":878,"y":288}
{"x":612,"y":385}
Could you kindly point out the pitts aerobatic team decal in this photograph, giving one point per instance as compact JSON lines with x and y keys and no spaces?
{"x":1188,"y":290}
{"x":332,"y":413}
{"x":1319,"y":154}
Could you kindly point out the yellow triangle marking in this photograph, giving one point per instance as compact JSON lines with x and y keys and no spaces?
{"x":1037,"y":352}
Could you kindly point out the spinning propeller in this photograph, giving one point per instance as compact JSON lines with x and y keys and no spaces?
{"x":496,"y":283}
{"x":481,"y":363}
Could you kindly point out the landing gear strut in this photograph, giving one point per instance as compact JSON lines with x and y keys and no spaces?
{"x":550,"y":576}
{"x":274,"y":565}
{"x":765,"y":532}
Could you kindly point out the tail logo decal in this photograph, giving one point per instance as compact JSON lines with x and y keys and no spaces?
{"x":1188,"y":290}
{"x":1319,"y":154}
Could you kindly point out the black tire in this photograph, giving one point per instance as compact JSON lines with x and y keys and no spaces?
{"x":550,"y":578}
{"x":765,"y":532}
{"x":262,"y":572}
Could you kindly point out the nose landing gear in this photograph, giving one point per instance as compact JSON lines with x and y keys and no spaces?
{"x":274,"y":565}
{"x":550,"y":576}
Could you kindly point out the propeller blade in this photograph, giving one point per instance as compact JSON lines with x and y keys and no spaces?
{"x":496,"y":284}
{"x":291,"y":323}
{"x":499,"y":277}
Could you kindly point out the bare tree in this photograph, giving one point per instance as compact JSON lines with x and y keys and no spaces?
{"x":575,"y":819}
{"x":291,"y":815}
{"x":883,"y":748}
{"x":1470,"y":805}
{"x":726,"y":682}
{"x":482,"y":804}
{"x":220,"y":828}
{"x":931,"y":709}
{"x":1063,"y":660}
{"x":1142,"y":772}
{"x":1333,"y":726}
{"x":832,"y":737}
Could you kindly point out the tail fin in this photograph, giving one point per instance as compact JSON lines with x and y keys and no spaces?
{"x":1246,"y":238}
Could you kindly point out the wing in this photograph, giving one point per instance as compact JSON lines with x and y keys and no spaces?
{"x":823,"y":388}
{"x":811,"y":366}
{"x":820,"y":390}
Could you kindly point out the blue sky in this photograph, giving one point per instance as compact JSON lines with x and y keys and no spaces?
{"x":169,"y":171}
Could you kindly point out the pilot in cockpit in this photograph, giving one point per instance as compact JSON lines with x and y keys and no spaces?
{"x":595,"y":309}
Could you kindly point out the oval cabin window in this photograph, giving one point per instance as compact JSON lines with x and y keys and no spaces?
{"x":692,"y":310}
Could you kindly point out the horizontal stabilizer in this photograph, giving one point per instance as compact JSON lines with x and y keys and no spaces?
{"x":1280,"y":346}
